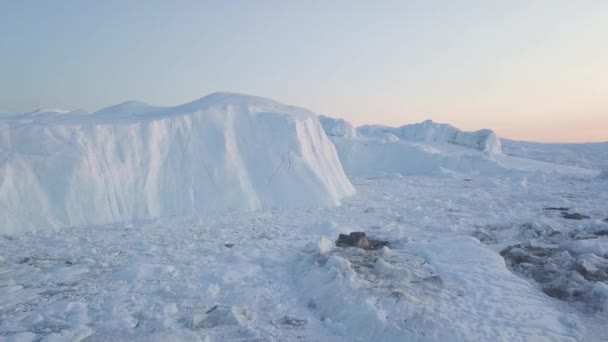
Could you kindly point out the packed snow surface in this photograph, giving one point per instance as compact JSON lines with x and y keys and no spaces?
{"x":134,"y":161}
{"x":588,"y":155}
{"x":277,"y":276}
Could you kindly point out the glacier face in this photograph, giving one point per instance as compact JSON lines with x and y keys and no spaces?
{"x":133,"y":161}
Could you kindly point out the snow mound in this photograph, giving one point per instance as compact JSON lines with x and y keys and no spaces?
{"x":337,"y":127}
{"x":428,"y":131}
{"x":47,"y":111}
{"x":134,"y":161}
{"x":603,"y":175}
{"x":421,"y":149}
{"x":430,"y":148}
{"x":42,"y":115}
{"x":378,"y":158}
{"x":128,"y":108}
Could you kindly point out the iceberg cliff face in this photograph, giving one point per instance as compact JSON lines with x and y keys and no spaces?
{"x":134,"y":161}
{"x":428,"y":131}
{"x":428,"y":148}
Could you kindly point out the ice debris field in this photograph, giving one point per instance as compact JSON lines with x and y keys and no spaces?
{"x":217,"y":220}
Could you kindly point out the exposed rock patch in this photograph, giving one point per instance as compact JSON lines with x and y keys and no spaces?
{"x":561,"y":272}
{"x":359,"y":240}
{"x":574,"y":216}
{"x":293,"y":322}
{"x":484,"y":236}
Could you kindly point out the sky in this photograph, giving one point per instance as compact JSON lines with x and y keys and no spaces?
{"x":530,"y":70}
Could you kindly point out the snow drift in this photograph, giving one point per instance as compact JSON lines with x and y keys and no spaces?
{"x":135,"y":161}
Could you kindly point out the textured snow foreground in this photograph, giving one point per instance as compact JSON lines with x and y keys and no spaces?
{"x":276,"y":276}
{"x":450,"y":203}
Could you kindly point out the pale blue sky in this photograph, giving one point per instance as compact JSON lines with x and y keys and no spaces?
{"x":535,"y":70}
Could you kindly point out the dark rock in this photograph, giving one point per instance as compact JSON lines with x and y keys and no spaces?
{"x":485,"y":237}
{"x":359,"y":240}
{"x":294,"y":322}
{"x":398,"y":295}
{"x":229,"y":245}
{"x":561,"y":274}
{"x":434,"y":279}
{"x":557,"y":208}
{"x":601,"y":233}
{"x":574,"y":216}
{"x":518,"y":254}
{"x":556,"y":292}
{"x":355,"y":239}
{"x":27,"y":260}
{"x":593,"y":274}
{"x":212,"y":309}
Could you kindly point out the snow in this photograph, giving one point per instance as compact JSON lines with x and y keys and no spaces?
{"x":143,"y":272}
{"x":593,"y":246}
{"x":375,"y":158}
{"x":429,"y":131}
{"x":42,"y":115}
{"x":430,"y":148}
{"x":337,"y":127}
{"x":283,"y":279}
{"x":128,"y":108}
{"x":133,"y":161}
{"x":391,"y":311}
{"x":47,"y":111}
{"x":188,"y":246}
{"x":588,"y":155}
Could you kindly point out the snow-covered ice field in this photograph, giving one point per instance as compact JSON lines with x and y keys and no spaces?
{"x":216,"y":221}
{"x":276,"y":276}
